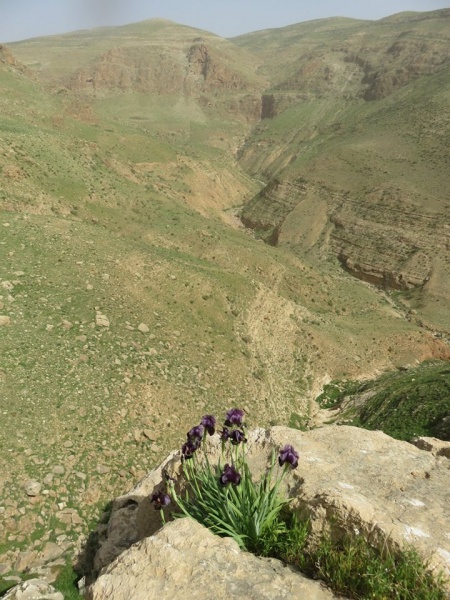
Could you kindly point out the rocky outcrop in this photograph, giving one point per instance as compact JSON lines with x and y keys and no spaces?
{"x":380,"y":238}
{"x":185,"y":560}
{"x":33,"y":589}
{"x":162,"y":70}
{"x":348,"y":480}
{"x":9,"y":61}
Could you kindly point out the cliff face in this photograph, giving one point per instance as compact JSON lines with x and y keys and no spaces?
{"x":159,"y":70}
{"x":382,"y":238}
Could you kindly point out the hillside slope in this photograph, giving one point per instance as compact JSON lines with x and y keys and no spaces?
{"x":355,"y":150}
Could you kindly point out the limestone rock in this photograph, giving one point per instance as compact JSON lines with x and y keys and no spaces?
{"x":186,"y":560}
{"x":51,"y":552}
{"x":24,"y":560}
{"x":32,"y":487}
{"x":364,"y":482}
{"x":103,"y":469}
{"x":433,"y":445}
{"x":143,"y":328}
{"x":4,"y":320}
{"x":101,"y":320}
{"x":33,"y":589}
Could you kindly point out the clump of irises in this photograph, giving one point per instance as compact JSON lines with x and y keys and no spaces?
{"x":224,"y":497}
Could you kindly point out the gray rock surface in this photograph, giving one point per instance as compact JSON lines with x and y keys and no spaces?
{"x":365,"y":482}
{"x":185,"y":560}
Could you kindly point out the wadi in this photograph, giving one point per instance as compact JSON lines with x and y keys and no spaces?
{"x":189,"y":224}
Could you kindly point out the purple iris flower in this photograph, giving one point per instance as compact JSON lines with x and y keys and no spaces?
{"x":225,"y":434}
{"x":189,"y":448}
{"x":288,"y":455}
{"x":209,"y":423}
{"x":230,"y":475}
{"x":160,"y":500}
{"x":196,"y":432}
{"x":234,"y":416}
{"x":237,"y":436}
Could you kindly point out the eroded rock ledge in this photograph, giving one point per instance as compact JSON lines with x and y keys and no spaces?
{"x":364,"y":482}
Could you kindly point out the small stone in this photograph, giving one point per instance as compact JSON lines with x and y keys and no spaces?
{"x":143,"y":328}
{"x":149,"y":435}
{"x":4,"y":320}
{"x":58,"y":470}
{"x":66,"y":324}
{"x":48,"y":479}
{"x":51,"y":552}
{"x":101,"y":320}
{"x":103,"y":469}
{"x":24,"y":560}
{"x":32,"y":487}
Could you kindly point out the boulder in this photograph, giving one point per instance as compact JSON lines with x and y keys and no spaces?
{"x":185,"y":560}
{"x":33,"y":589}
{"x":348,"y":480}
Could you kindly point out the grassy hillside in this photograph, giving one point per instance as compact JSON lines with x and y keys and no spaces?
{"x":403,"y":404}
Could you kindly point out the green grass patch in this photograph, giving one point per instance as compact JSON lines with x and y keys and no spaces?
{"x":412,"y":403}
{"x":403,"y":404}
{"x":66,"y":583}
{"x":351,"y":566}
{"x":334,"y":392}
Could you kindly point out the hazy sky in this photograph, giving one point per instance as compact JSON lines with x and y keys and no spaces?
{"x":20,"y":19}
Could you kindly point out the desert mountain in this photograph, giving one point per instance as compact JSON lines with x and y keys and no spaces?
{"x":142,"y":167}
